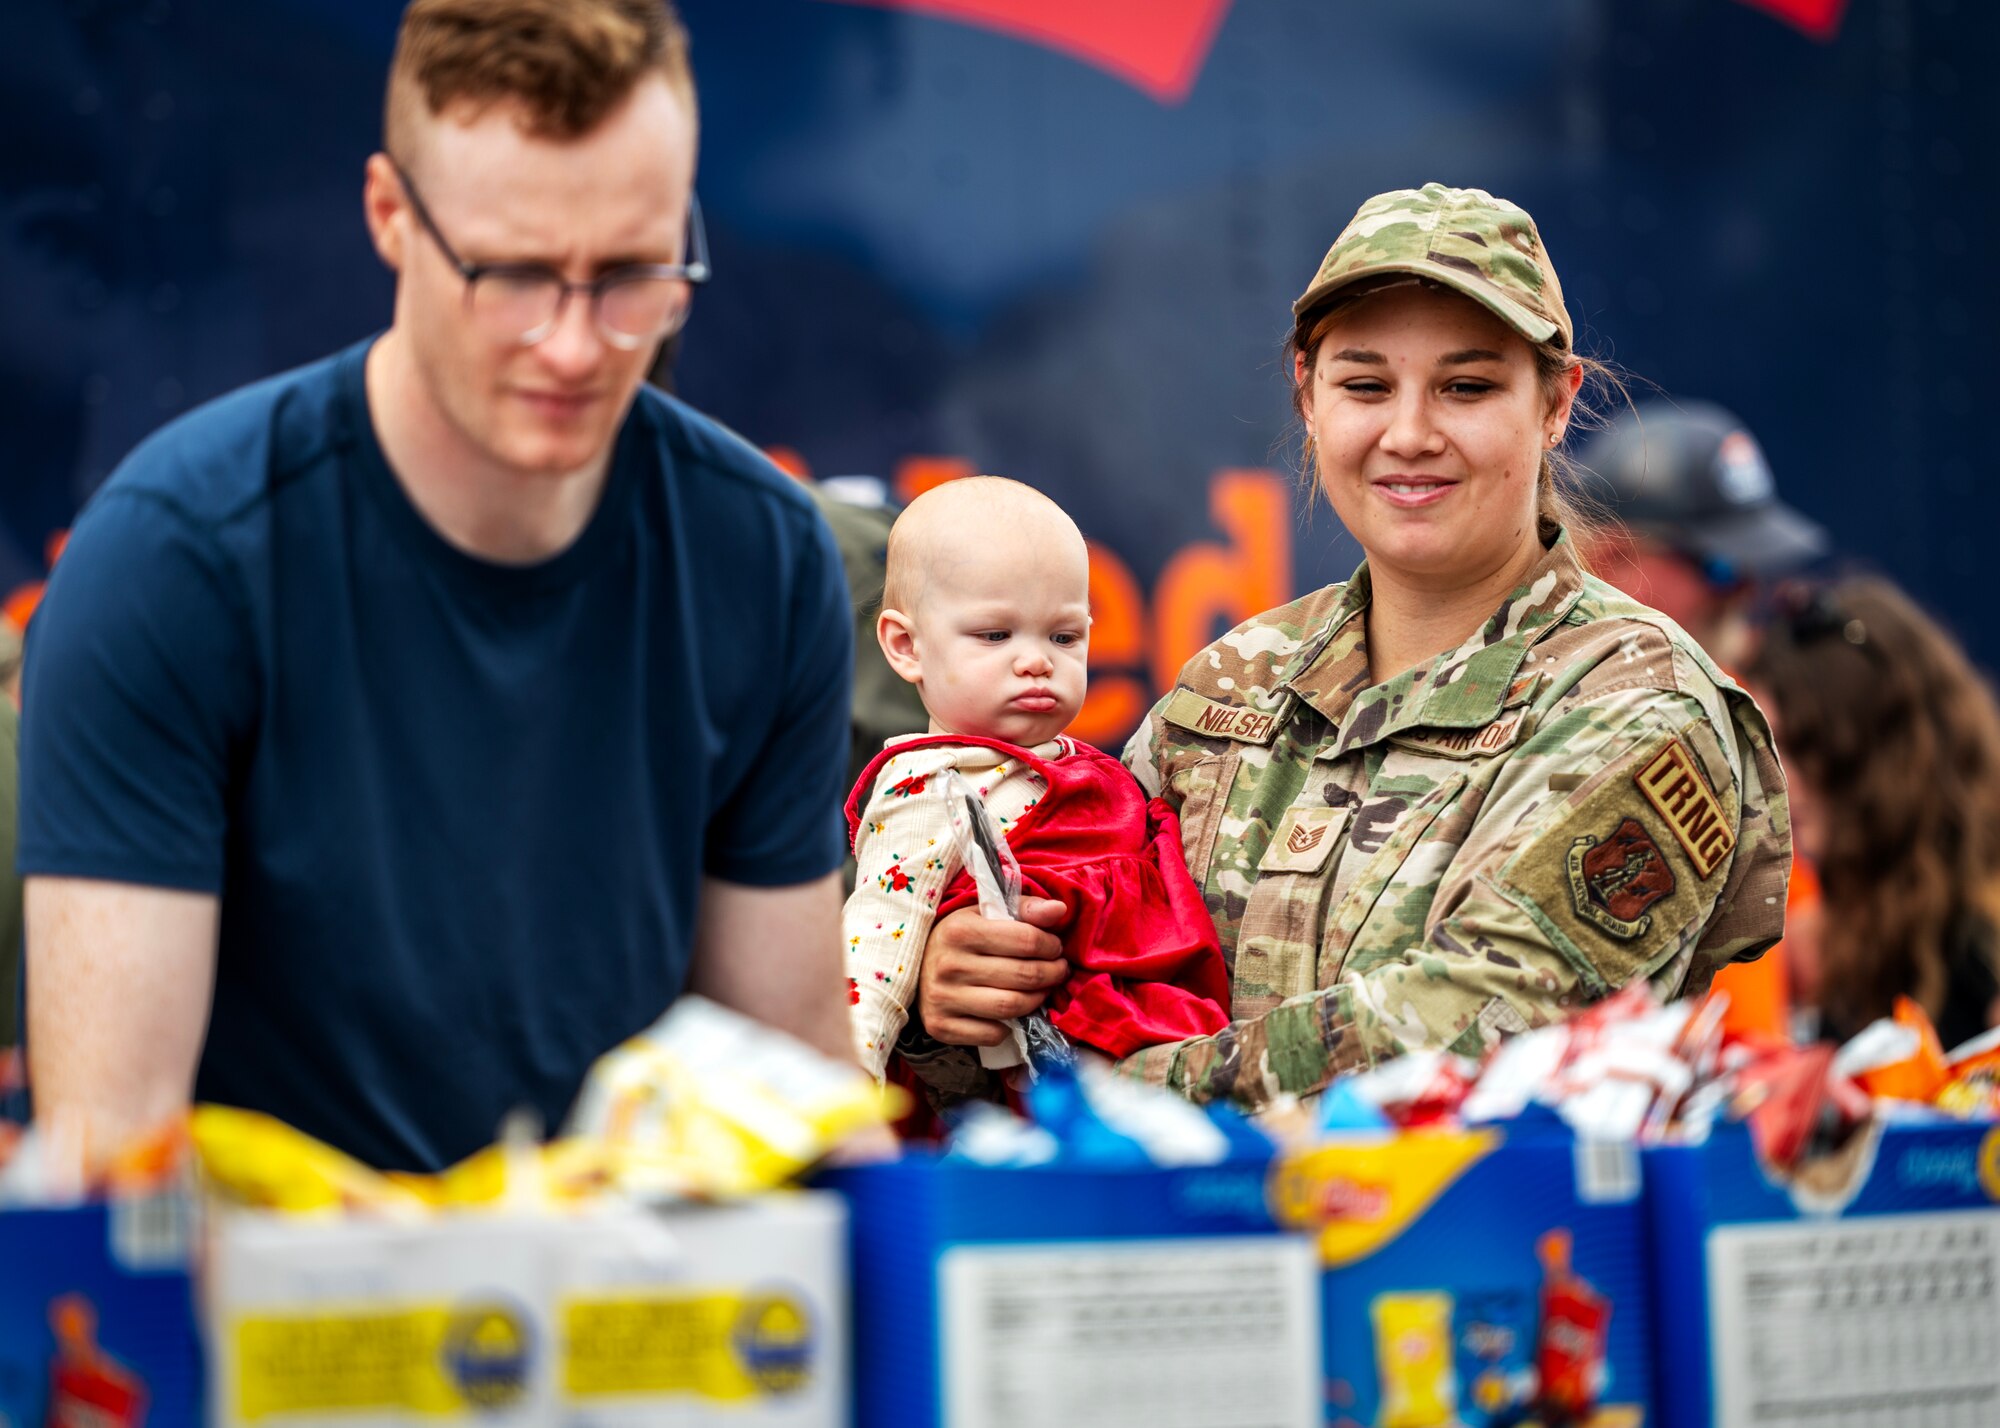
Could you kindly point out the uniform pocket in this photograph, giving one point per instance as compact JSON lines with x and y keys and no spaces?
{"x":1202,"y":790}
{"x":1362,"y":930}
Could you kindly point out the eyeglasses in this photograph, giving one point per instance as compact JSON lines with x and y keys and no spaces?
{"x":1809,"y":613}
{"x":634,"y":305}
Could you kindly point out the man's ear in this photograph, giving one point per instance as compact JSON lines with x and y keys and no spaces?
{"x":382,"y":199}
{"x":896,"y":633}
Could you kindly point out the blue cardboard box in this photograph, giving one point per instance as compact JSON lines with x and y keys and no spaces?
{"x":97,"y":1326}
{"x":1864,"y":1289}
{"x":1057,"y":1294}
{"x":1460,"y":1267}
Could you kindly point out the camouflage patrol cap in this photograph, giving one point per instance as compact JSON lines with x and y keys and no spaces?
{"x":1464,"y":238}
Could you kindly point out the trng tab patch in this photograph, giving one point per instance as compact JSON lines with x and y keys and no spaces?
{"x":1675,"y":787}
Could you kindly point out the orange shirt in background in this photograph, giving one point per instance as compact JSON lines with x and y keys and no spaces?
{"x":1760,"y":997}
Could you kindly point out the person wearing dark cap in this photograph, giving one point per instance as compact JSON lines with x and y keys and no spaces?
{"x":1695,"y":527}
{"x":1697,"y":523}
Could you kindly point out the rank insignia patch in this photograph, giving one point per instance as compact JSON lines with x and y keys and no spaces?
{"x":1303,"y":839}
{"x":1614,"y":880}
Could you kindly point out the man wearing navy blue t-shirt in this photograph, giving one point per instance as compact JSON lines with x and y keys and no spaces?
{"x":404,"y":732}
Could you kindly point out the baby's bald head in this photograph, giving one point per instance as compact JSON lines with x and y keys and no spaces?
{"x":973,"y":524}
{"x":987,"y":610}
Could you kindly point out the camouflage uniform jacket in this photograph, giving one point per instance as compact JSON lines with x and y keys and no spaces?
{"x":1574,"y":797}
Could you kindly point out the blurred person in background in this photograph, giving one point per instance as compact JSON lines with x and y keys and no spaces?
{"x":1891,"y":741}
{"x":858,"y":511}
{"x":1693,"y":527}
{"x":407,"y":731}
{"x":1695,"y":524}
{"x":1469,"y":791}
{"x":10,"y":808}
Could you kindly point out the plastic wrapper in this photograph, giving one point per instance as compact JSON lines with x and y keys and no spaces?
{"x":1629,"y":1069}
{"x":45,"y":1165}
{"x":1087,"y":1115}
{"x":712,"y":1104}
{"x":1897,"y":1058}
{"x":705,"y":1104}
{"x":258,"y":1161}
{"x":1034,"y":1041}
{"x":986,"y":1134}
{"x":1418,"y":1089}
{"x":1796,"y":1108}
{"x":1972,"y":1087}
{"x":1088,"y":1106}
{"x":1616,"y":1072}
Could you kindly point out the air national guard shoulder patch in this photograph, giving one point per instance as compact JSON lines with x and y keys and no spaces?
{"x":1613,"y":880}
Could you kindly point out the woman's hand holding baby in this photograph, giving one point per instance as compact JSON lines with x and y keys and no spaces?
{"x":979,"y":971}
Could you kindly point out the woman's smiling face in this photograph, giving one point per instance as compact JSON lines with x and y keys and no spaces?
{"x":1429,"y":423}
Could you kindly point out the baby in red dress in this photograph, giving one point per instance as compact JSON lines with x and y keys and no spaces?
{"x":986,"y":611}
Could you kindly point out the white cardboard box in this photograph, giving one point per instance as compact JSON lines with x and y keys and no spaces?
{"x":692,"y":1316}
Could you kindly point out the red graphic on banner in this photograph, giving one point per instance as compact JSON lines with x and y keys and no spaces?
{"x":1818,"y":18}
{"x":1157,"y":46}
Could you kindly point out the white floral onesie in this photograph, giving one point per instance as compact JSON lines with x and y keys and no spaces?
{"x":905,"y":858}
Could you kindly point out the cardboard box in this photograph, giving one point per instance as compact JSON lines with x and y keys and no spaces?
{"x":1048,"y":1296}
{"x":693,"y":1316}
{"x":1866,"y":1290}
{"x":733,"y":1315}
{"x":97,"y":1324}
{"x":1444,"y":1284}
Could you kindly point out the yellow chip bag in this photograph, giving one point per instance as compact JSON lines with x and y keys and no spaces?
{"x":1413,"y":1354}
{"x":259,"y":1161}
{"x":708,"y":1102}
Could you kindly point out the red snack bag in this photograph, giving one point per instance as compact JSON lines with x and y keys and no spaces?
{"x":1792,"y":1098}
{"x":1570,"y":1352}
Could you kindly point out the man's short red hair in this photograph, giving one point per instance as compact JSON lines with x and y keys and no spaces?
{"x":566,"y":63}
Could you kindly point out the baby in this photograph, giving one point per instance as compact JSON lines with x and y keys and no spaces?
{"x":986,"y":611}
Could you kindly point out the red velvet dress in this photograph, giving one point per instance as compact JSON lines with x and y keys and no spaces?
{"x":1145,"y":966}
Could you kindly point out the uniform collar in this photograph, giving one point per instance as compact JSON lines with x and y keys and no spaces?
{"x":1465,"y":688}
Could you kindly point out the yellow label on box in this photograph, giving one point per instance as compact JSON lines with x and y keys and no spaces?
{"x":1359,"y":1195}
{"x":431,"y":1360}
{"x":724,"y":1346}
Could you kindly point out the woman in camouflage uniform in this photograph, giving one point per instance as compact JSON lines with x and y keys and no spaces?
{"x":1472,"y":789}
